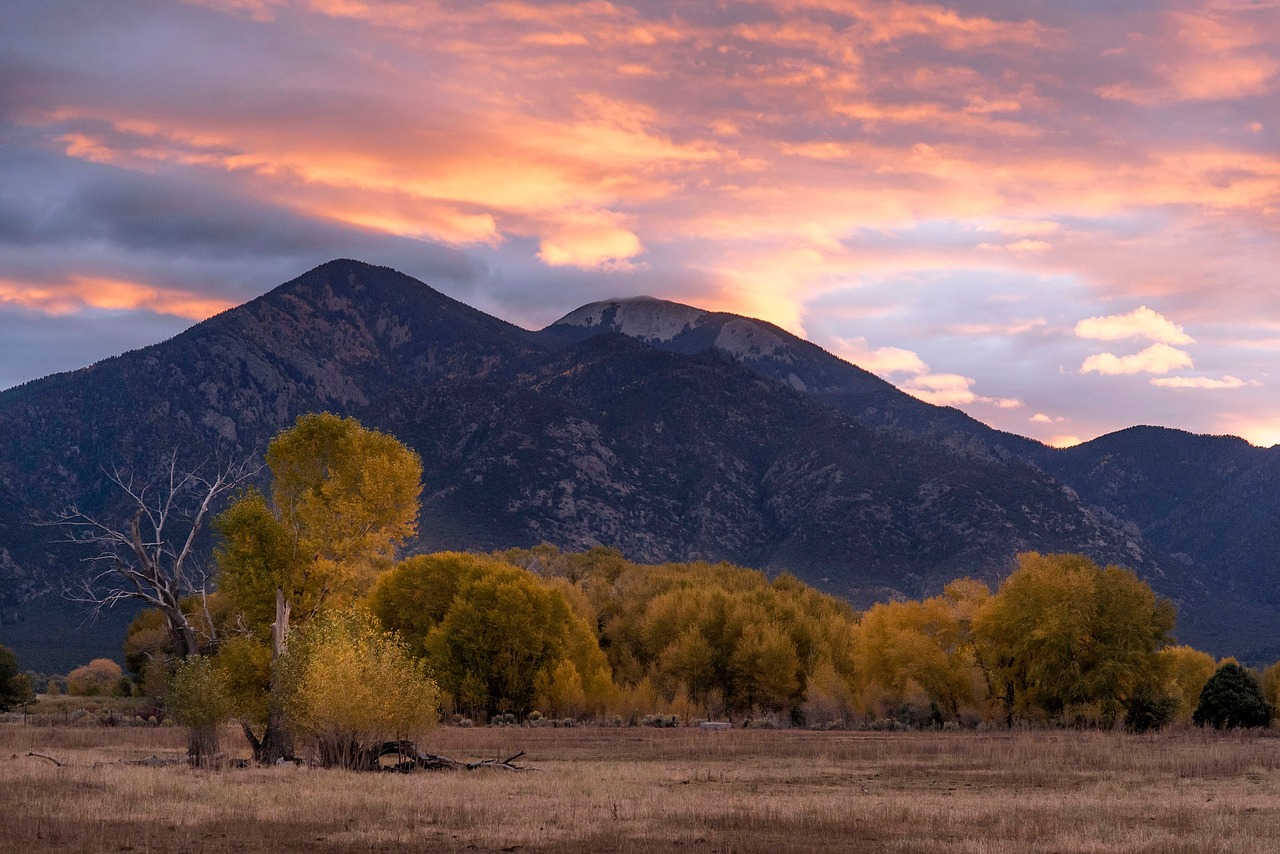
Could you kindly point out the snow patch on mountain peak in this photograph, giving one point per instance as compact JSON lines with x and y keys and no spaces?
{"x":646,"y":318}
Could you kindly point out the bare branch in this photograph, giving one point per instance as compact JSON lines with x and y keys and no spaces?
{"x":148,"y":558}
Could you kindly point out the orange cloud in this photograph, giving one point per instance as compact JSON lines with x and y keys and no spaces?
{"x":80,"y":292}
{"x":1217,"y":52}
{"x":884,"y":361}
{"x":588,"y":239}
{"x":952,"y":390}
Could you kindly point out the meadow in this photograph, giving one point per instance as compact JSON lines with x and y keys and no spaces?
{"x":633,"y":790}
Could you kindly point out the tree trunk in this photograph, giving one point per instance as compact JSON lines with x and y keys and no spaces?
{"x":202,"y":742}
{"x":277,"y":741}
{"x":202,"y":746}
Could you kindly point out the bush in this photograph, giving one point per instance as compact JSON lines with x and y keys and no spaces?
{"x":1232,"y":698}
{"x":1150,"y":709}
{"x":99,"y":678}
{"x":351,"y":687}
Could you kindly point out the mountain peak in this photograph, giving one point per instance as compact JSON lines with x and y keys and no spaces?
{"x":647,"y":318}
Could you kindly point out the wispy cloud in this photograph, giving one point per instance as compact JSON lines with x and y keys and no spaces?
{"x":1209,"y":383}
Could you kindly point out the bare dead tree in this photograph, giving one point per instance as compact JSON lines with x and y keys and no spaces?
{"x":151,"y":557}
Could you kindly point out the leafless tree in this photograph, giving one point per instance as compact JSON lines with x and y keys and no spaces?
{"x":151,"y":557}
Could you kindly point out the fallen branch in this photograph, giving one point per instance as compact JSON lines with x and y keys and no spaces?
{"x":411,"y":758}
{"x":50,"y":758}
{"x":149,"y":762}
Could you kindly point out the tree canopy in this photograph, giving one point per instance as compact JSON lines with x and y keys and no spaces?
{"x":1064,"y":638}
{"x":1232,"y":698}
{"x":497,"y":637}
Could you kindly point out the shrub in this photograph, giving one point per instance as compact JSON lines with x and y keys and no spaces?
{"x":1150,"y":709}
{"x":351,"y":687}
{"x":1232,"y":698}
{"x":198,"y":699}
{"x":99,"y":678}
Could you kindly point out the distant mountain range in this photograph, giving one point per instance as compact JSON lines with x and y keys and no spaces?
{"x":668,"y":432}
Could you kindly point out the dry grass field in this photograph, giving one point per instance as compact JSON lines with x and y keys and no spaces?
{"x":641,"y":790}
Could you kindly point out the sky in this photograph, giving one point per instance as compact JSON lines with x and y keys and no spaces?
{"x":1060,"y":217}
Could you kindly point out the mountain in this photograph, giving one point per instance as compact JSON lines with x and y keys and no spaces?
{"x":773,"y":352}
{"x":1209,"y":504}
{"x":661,"y":430}
{"x":332,"y":339}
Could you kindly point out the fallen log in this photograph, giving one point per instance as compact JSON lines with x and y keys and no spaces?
{"x":411,"y":759}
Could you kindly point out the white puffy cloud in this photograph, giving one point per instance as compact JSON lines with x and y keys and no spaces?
{"x":1142,"y":322}
{"x":1156,"y":359}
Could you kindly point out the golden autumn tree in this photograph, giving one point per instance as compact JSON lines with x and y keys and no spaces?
{"x":100,"y":677}
{"x":1184,"y":671}
{"x":1063,"y":636}
{"x":342,"y":498}
{"x":498,"y":638}
{"x":916,"y":658}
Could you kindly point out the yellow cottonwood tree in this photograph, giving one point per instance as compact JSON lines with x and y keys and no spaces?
{"x":1185,"y":670}
{"x":342,"y":499}
{"x":493,"y":634}
{"x":920,"y":653}
{"x":1063,"y":636}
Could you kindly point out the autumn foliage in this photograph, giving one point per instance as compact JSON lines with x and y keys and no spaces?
{"x":324,"y":635}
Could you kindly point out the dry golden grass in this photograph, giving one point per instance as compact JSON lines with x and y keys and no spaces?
{"x":641,"y":790}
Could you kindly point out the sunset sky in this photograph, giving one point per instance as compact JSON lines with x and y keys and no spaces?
{"x":1059,"y":216}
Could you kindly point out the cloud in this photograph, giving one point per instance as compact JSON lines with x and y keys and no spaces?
{"x":778,"y":158}
{"x":952,"y":390}
{"x":942,"y":389}
{"x":1225,"y":382}
{"x":1142,"y":322}
{"x":884,"y":361}
{"x":1026,"y":245}
{"x":1015,"y":327}
{"x":83,"y":292}
{"x":1205,"y":52}
{"x":588,"y":239}
{"x":1041,"y":418}
{"x":1156,"y":359}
